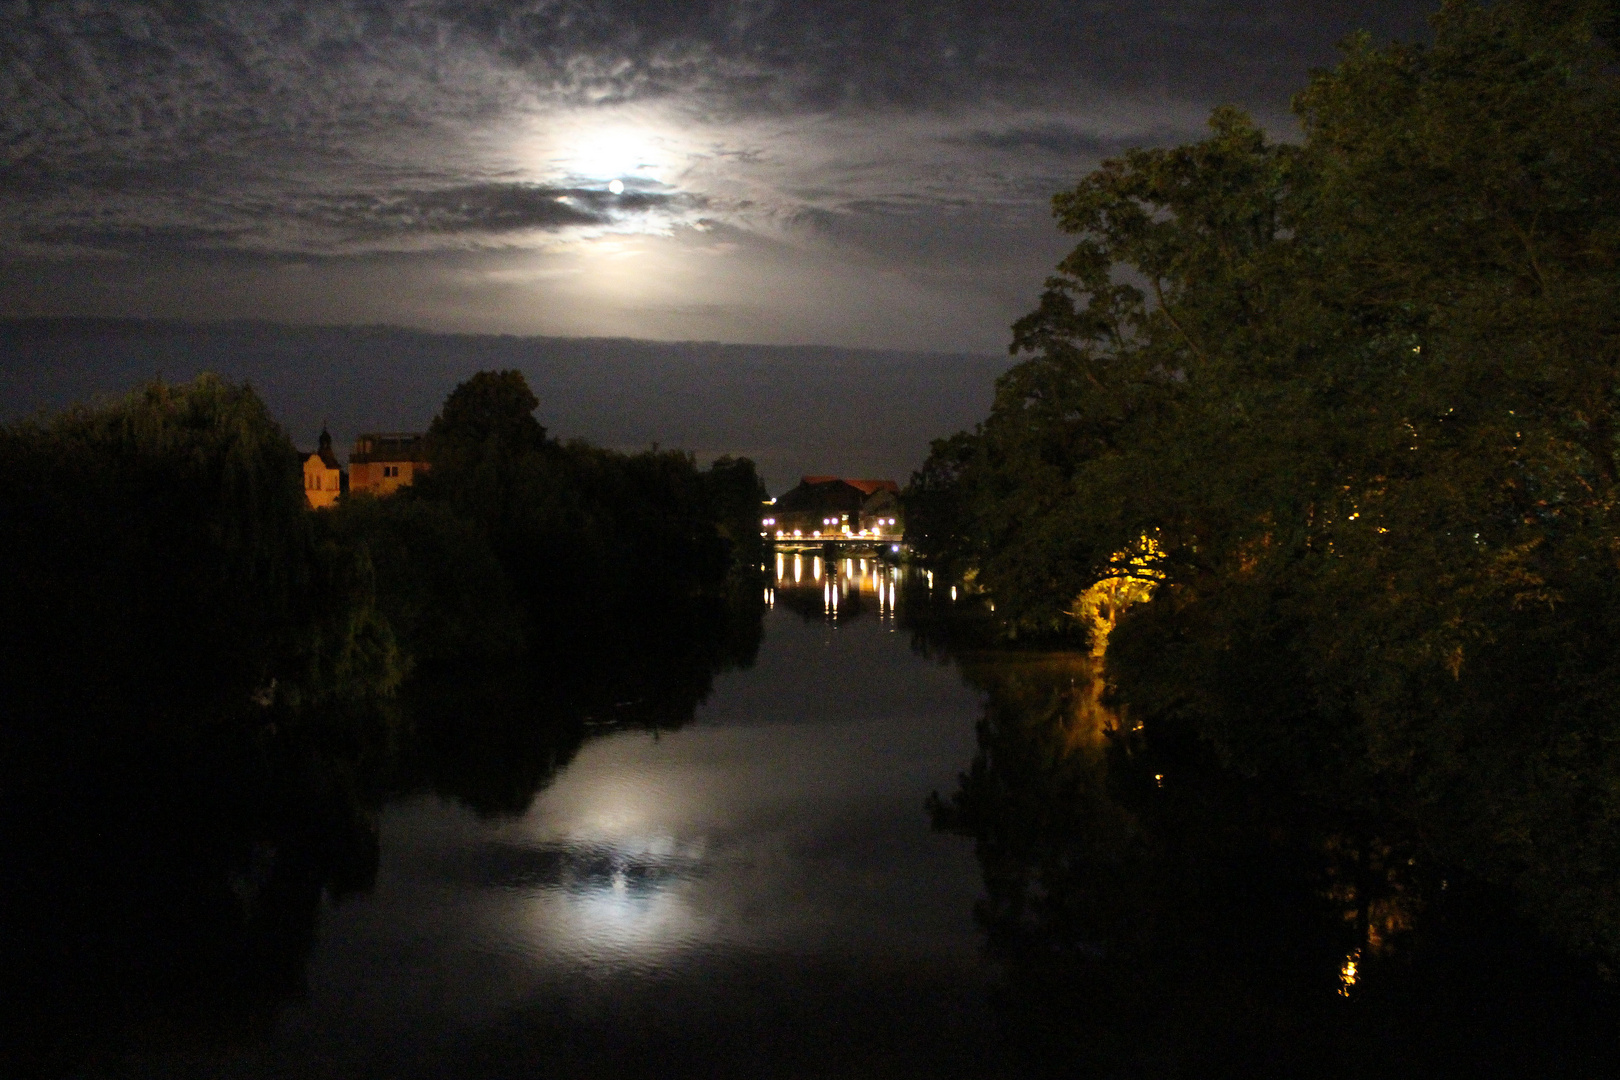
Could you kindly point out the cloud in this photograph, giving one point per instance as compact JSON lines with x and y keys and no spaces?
{"x":1065,"y":141}
{"x":485,"y":209}
{"x":908,"y":135}
{"x":132,"y":237}
{"x":459,"y":216}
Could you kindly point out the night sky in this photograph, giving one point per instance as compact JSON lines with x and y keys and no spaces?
{"x":850,"y":174}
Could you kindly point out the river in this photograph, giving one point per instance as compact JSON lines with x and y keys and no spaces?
{"x":859,"y":849}
{"x":756,"y":893}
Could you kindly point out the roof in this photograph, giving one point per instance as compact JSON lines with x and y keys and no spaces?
{"x":388,"y":446}
{"x":866,"y":487}
{"x":328,"y":458}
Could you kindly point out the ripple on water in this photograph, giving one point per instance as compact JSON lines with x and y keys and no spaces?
{"x":624,"y":905}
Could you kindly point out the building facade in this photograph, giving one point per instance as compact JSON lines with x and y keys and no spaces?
{"x":834,"y":507}
{"x":383,"y":462}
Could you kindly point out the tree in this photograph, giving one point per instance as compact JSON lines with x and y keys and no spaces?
{"x":1360,"y":395}
{"x":492,"y":405}
{"x":157,"y":550}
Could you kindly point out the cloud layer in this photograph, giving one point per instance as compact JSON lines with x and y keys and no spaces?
{"x":914,"y":138}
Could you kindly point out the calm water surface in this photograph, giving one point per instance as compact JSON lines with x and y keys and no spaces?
{"x":583,"y":886}
{"x":757,"y":893}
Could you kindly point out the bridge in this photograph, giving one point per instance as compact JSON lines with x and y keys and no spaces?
{"x":841,"y":541}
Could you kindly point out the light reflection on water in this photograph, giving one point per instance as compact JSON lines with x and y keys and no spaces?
{"x":629,"y":904}
{"x":779,"y":837}
{"x":787,"y":817}
{"x":874,"y":585}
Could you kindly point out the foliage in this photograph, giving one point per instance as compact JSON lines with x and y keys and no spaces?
{"x":1157,"y":914}
{"x":204,"y":691}
{"x":1362,"y":391}
{"x":438,"y":585}
{"x":491,"y":408}
{"x":585,"y":535}
{"x":156,"y":548}
{"x":162,"y":560}
{"x":735,"y":493}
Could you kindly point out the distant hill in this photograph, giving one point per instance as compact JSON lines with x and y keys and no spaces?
{"x":793,"y":409}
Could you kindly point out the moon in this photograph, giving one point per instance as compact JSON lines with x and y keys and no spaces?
{"x":616,"y":186}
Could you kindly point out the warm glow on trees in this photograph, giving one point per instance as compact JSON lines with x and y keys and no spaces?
{"x":1134,"y":581}
{"x":1363,"y":393}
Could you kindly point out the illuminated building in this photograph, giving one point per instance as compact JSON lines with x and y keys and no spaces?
{"x":384,"y":462}
{"x":832,"y":507}
{"x":323,"y":475}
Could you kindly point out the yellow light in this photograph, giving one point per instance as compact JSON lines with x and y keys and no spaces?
{"x":1347,"y":973}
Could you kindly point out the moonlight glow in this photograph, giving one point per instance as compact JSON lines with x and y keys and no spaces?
{"x":591,"y":153}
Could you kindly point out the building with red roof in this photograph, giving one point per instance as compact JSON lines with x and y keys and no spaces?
{"x":835,"y":507}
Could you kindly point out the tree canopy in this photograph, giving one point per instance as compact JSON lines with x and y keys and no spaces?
{"x":491,"y":405}
{"x":1355,"y":401}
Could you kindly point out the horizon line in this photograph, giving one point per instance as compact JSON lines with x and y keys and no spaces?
{"x":133,"y":321}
